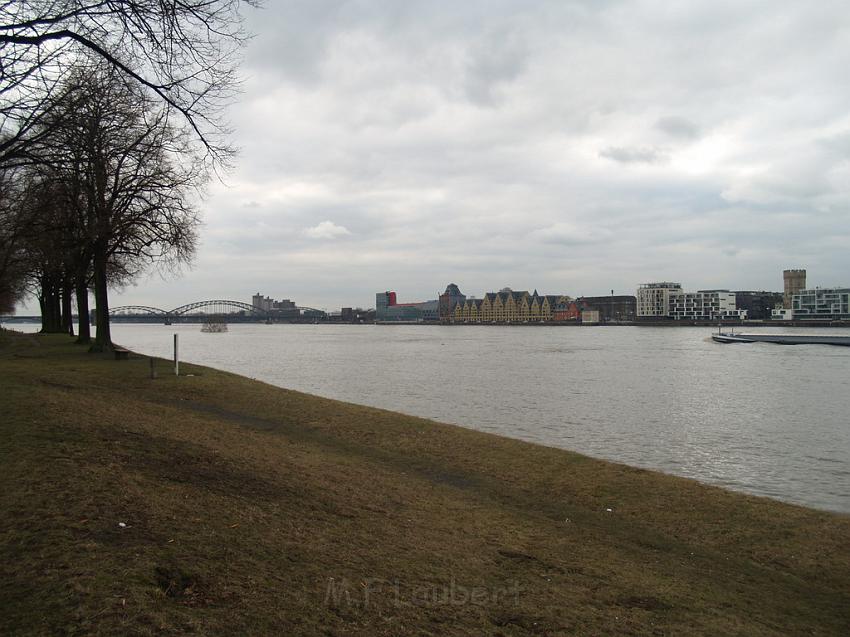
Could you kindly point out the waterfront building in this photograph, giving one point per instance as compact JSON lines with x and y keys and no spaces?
{"x":607,"y":309}
{"x":704,"y":305}
{"x":567,"y":310}
{"x":262,"y":302}
{"x":668,"y":300}
{"x":387,"y":308}
{"x":795,"y":282}
{"x":449,"y":300}
{"x":611,"y":308}
{"x":821,"y":303}
{"x":653,"y":299}
{"x":759,"y":305}
{"x":356,"y":315}
{"x":781,"y":314}
{"x":284,"y":309}
{"x":467,"y":312}
{"x":508,"y":306}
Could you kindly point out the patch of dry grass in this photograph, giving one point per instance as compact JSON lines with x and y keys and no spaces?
{"x":254,"y":510}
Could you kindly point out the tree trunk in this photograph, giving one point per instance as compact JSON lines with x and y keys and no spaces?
{"x":67,"y":310}
{"x":51,"y":306}
{"x":82,"y":293}
{"x":56,"y":313}
{"x":103,"y":337}
{"x":45,"y":316}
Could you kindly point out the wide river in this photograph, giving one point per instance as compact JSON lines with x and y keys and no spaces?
{"x":765,"y":419}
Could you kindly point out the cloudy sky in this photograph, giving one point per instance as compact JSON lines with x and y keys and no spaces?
{"x":572,"y":147}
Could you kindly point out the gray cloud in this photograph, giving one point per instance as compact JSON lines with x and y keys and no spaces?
{"x":634,"y":155}
{"x":494,"y":61}
{"x":679,"y":127}
{"x":570,"y":234}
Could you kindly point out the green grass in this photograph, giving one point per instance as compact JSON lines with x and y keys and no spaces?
{"x":255,"y":510}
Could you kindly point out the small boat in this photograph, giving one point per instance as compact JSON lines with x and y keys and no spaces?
{"x":781,"y":339}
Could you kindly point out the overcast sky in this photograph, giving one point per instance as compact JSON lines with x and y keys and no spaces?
{"x":572,"y":147}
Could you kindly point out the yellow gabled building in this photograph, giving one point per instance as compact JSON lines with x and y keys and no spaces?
{"x":474,"y":311}
{"x":507,"y":306}
{"x":487,"y":312}
{"x":460,"y":313}
{"x":522,"y":306}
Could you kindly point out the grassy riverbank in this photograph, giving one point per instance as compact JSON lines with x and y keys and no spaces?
{"x":255,"y":510}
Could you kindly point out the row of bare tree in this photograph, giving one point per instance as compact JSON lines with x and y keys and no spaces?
{"x":111,"y":124}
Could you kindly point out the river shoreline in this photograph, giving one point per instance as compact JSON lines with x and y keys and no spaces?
{"x":583,"y":390}
{"x":249,"y":508}
{"x":12,"y":321}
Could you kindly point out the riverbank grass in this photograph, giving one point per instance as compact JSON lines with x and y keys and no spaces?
{"x":214,"y":504}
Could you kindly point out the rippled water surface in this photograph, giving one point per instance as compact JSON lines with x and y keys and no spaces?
{"x":766,"y":419}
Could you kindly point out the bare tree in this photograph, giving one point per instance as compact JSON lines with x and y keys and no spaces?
{"x":13,"y":254}
{"x":124,"y":207}
{"x":40,"y":247}
{"x":129,"y":182}
{"x":183,"y":52}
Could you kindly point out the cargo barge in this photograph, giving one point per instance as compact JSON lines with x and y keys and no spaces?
{"x":782,"y":339}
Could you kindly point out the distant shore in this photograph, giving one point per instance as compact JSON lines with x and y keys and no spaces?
{"x":714,"y":324}
{"x":213,"y":503}
{"x":12,"y":321}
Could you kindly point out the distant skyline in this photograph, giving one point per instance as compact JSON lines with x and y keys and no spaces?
{"x":572,"y":147}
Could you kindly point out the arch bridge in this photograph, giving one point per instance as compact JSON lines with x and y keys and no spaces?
{"x":136,"y":310}
{"x":220,"y":308}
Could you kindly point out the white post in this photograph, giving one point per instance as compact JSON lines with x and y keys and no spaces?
{"x":176,"y":359}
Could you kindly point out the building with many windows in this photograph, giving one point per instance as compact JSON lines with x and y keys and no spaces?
{"x":759,"y":305}
{"x":821,"y":303}
{"x":802,"y":303}
{"x":669,"y":300}
{"x":284,"y":309}
{"x":653,"y":299}
{"x":509,"y":306}
{"x":705,"y":305}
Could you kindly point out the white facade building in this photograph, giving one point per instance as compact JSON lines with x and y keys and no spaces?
{"x":781,"y":314}
{"x":653,"y":299}
{"x":705,"y":305}
{"x":822,"y":303}
{"x":669,"y":300}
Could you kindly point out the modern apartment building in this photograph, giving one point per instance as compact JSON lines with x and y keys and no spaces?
{"x":653,"y":299}
{"x":821,"y":303}
{"x":669,"y":300}
{"x":759,"y":305}
{"x":704,"y":305}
